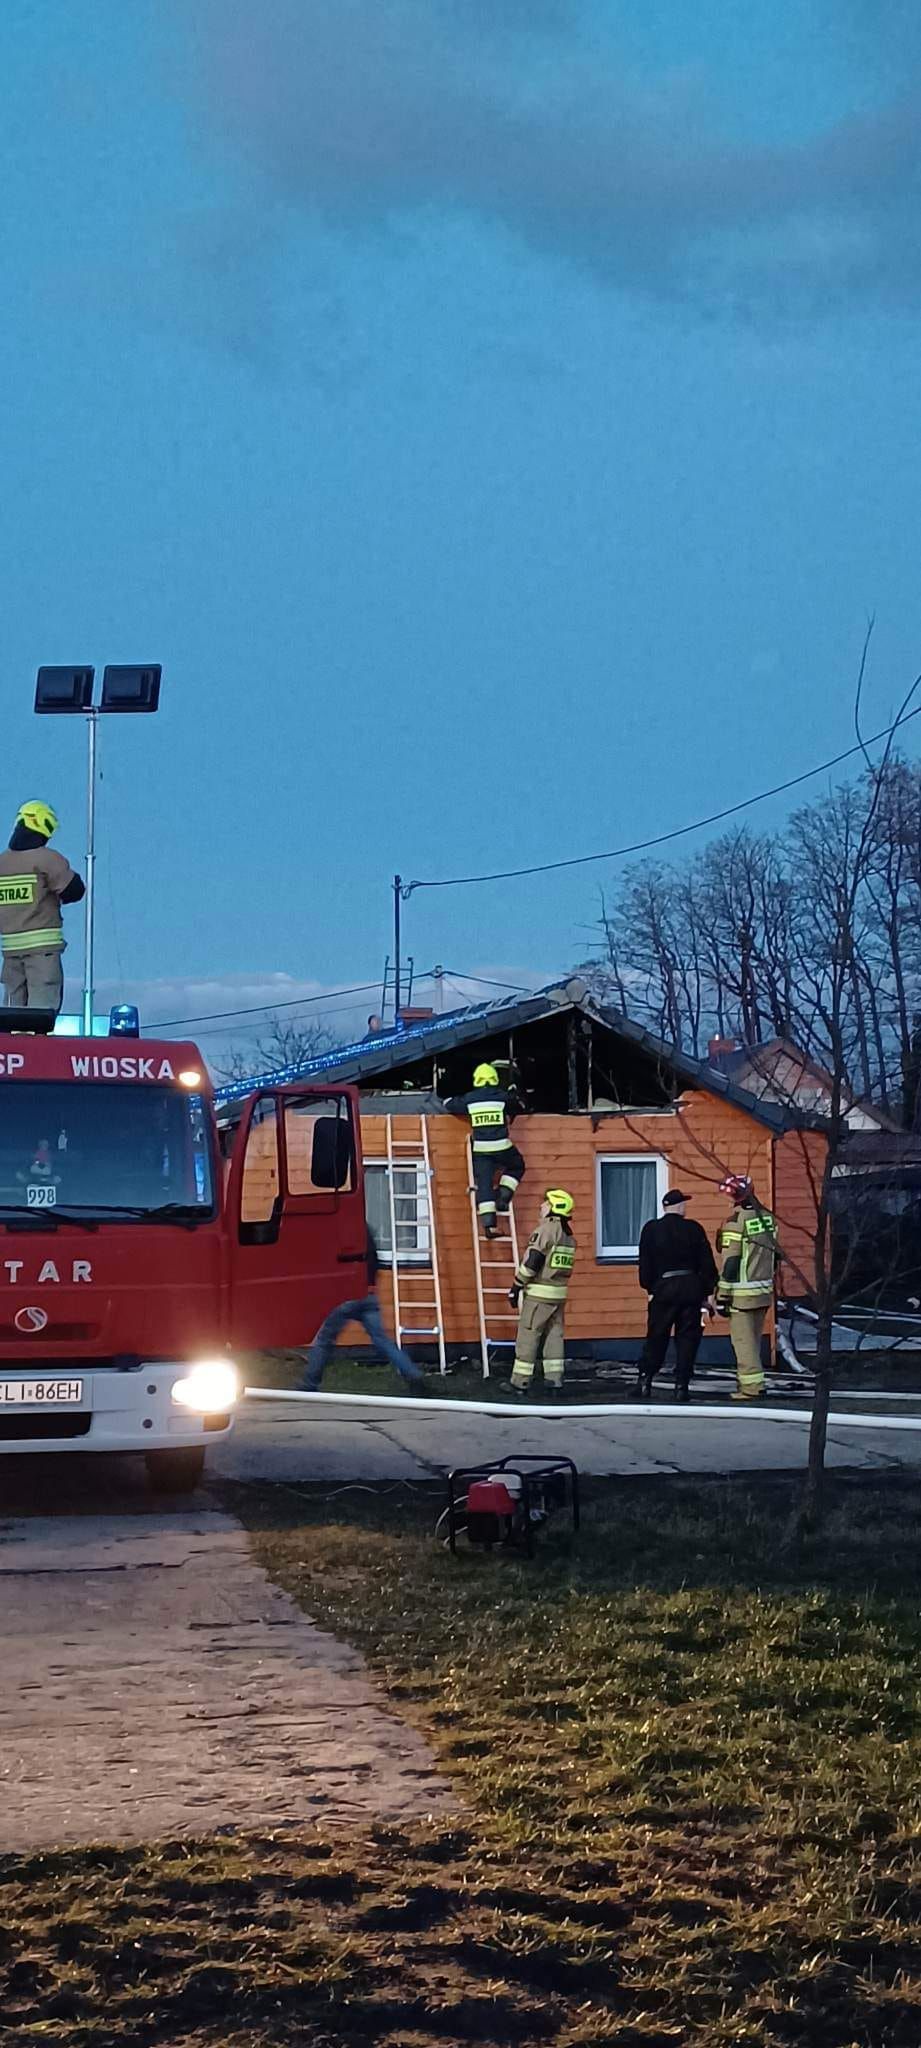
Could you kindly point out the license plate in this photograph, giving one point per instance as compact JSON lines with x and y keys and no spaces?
{"x":41,"y":1393}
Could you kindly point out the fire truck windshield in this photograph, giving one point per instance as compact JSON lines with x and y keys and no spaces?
{"x":109,"y":1148}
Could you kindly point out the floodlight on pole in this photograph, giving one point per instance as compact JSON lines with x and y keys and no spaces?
{"x":69,"y":690}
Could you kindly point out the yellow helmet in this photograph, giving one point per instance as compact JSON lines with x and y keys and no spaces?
{"x":485,"y":1076}
{"x":38,"y":817}
{"x":561,"y":1204}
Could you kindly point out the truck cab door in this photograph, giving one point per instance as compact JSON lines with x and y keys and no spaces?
{"x":295,"y":1218}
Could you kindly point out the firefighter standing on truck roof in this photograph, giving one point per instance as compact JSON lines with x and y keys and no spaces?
{"x":747,"y":1242}
{"x":542,"y":1280}
{"x":34,"y":882}
{"x":491,"y":1110}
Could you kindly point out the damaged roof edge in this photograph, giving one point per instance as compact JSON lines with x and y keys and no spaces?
{"x":386,"y":1054}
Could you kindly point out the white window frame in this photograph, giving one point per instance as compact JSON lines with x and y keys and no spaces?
{"x":625,"y":1254}
{"x":421,"y":1255}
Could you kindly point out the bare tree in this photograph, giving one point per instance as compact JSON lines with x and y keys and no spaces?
{"x":814,"y":937}
{"x":280,"y":1044}
{"x":757,"y":937}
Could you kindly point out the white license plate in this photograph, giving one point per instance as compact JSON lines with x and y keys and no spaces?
{"x":41,"y":1393}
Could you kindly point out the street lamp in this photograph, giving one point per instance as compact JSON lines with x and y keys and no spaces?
{"x":68,"y":690}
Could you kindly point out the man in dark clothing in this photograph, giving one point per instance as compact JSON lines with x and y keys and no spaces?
{"x":678,"y":1272}
{"x":366,"y":1310}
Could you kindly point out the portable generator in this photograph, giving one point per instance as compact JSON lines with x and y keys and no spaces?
{"x":506,"y":1503}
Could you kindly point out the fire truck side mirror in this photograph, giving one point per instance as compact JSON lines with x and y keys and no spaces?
{"x":331,"y":1160}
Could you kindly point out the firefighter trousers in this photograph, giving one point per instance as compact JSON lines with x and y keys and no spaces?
{"x":540,"y":1333}
{"x":34,"y":981}
{"x":509,"y":1166}
{"x":673,"y":1308}
{"x":746,"y":1326}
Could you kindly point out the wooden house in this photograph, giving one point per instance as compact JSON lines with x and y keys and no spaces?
{"x":614,"y":1115}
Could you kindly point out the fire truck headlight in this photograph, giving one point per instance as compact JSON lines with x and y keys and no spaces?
{"x":209,"y":1387}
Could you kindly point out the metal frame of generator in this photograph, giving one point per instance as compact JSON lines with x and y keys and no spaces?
{"x":483,"y":1507}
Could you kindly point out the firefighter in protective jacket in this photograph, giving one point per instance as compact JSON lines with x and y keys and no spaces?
{"x":747,"y":1243}
{"x":490,"y":1110}
{"x":34,"y":882}
{"x":541,"y":1285}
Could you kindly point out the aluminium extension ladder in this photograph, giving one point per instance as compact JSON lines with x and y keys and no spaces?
{"x":495,"y":1263}
{"x":415,"y":1314}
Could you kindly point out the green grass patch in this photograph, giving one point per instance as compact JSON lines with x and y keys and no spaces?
{"x":349,"y":1374}
{"x":686,"y":1753}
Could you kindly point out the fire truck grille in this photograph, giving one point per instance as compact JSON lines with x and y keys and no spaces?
{"x":17,"y":1429}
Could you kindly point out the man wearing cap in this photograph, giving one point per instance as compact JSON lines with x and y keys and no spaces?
{"x":678,"y":1272}
{"x":34,"y":882}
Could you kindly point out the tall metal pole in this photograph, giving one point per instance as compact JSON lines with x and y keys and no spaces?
{"x":89,"y":901}
{"x":397,"y":964}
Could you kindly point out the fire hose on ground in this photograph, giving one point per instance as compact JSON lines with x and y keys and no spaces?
{"x":575,"y":1411}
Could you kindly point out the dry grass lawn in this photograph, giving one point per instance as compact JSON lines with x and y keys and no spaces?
{"x":687,"y":1759}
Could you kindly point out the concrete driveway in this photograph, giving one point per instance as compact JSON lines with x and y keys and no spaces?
{"x":155,"y":1683}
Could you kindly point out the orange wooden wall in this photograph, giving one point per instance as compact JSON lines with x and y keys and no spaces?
{"x":701,"y":1140}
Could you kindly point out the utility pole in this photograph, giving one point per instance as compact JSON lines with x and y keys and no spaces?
{"x":397,"y":965}
{"x":89,"y":901}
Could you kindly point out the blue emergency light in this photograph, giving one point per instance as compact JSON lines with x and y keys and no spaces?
{"x":124,"y":1021}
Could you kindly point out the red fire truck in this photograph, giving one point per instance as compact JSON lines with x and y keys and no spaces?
{"x":142,"y":1254}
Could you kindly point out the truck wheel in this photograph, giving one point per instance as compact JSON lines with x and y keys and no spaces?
{"x":174,"y":1471}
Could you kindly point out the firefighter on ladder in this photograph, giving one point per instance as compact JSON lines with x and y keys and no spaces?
{"x":747,"y":1243}
{"x":540,"y":1286}
{"x":490,"y":1110}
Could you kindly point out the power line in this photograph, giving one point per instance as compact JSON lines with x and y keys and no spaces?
{"x":456,"y":974}
{"x":330,"y":996}
{"x":581,"y":860}
{"x":269,"y":1009}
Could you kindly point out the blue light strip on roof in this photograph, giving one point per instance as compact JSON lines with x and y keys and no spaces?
{"x":343,"y":1055}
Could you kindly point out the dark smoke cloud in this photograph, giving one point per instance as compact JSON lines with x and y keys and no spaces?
{"x":367,"y":112}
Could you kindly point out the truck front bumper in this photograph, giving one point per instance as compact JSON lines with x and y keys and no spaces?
{"x":117,"y":1410}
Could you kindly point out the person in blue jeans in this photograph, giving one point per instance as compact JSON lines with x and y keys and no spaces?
{"x":366,"y":1311}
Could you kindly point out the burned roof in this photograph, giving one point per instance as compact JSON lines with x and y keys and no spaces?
{"x":369,"y":1059}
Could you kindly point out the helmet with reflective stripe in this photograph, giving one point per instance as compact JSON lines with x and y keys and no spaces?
{"x":561,"y":1204}
{"x":485,"y":1077}
{"x":738,"y":1185}
{"x":38,"y":817}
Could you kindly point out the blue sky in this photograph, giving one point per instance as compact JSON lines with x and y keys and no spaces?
{"x":498,"y":416}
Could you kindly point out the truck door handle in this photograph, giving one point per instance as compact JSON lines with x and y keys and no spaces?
{"x":350,"y":1258}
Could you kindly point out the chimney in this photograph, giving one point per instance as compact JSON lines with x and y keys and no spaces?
{"x":718,"y":1046}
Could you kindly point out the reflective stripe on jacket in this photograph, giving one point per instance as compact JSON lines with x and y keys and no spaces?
{"x":32,"y":942}
{"x":546,"y":1267}
{"x":747,"y":1242}
{"x":490,"y":1111}
{"x":32,"y":882}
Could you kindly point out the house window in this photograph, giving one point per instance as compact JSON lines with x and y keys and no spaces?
{"x":410,"y":1201}
{"x":630,"y":1190}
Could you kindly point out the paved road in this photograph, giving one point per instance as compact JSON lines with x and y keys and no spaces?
{"x":285,"y":1442}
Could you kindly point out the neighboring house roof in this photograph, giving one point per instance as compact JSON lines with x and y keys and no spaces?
{"x":777,"y":1062}
{"x":369,"y":1059}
